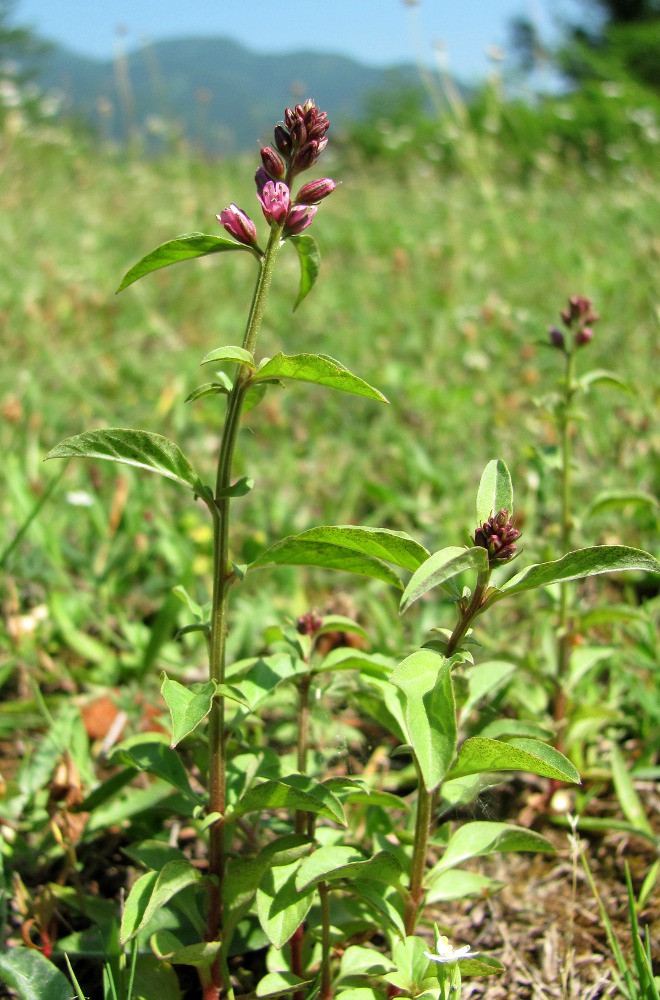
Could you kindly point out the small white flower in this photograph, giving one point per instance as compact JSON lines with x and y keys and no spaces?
{"x":447,"y":953}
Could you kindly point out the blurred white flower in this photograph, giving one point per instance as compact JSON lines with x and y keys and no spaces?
{"x":445,"y":952}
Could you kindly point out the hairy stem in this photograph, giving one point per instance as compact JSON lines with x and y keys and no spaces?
{"x":468,"y":615}
{"x":222,"y":580}
{"x":326,"y":972}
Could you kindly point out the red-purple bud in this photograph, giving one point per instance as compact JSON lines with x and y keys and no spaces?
{"x":583,"y":336}
{"x":556,"y":337}
{"x":309,"y":624}
{"x":239,"y":225}
{"x":273,"y":163}
{"x":299,"y":218}
{"x":283,"y":140}
{"x":497,"y":536}
{"x":315,"y":191}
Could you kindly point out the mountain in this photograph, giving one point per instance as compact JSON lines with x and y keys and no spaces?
{"x":216,"y":93}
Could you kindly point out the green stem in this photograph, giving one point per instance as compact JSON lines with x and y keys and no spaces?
{"x":303,"y":739}
{"x":326,"y":976}
{"x":418,"y":861}
{"x":222,"y":580}
{"x":563,"y":642}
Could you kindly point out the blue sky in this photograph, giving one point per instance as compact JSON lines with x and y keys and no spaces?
{"x":378,"y":32}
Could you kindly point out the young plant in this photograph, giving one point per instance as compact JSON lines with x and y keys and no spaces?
{"x":295,"y":880}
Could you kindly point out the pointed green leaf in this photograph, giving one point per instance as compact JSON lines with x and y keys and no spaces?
{"x":440,"y":567}
{"x":615,"y":499}
{"x":384,"y":901}
{"x":280,"y":795}
{"x":297,"y":550}
{"x":310,"y":264}
{"x":485,"y":965}
{"x":394,"y":547}
{"x":328,"y":864}
{"x":208,"y":389}
{"x":166,"y":945}
{"x":32,"y":976}
{"x":424,"y":677}
{"x":237,"y":354}
{"x":473,"y":840}
{"x":184,"y":247}
{"x":149,"y":894}
{"x":188,"y":706}
{"x":626,"y":794}
{"x":240,"y":488}
{"x":576,"y":565}
{"x":483,"y":680}
{"x":147,"y":752}
{"x":479,"y":754}
{"x":495,"y":491}
{"x":600,"y":376}
{"x":281,"y":905}
{"x":130,"y":447}
{"x":318,"y":370}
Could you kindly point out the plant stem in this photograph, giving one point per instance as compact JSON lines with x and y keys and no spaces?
{"x":466,"y":618}
{"x":326,"y":977}
{"x":222,"y":580}
{"x":418,"y":862}
{"x":303,"y":738}
{"x":563,"y":641}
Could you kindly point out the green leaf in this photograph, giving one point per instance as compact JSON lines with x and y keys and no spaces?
{"x":629,"y":800}
{"x":281,"y":906}
{"x":394,"y":547}
{"x":319,"y":370}
{"x":482,"y":966}
{"x":328,"y":864}
{"x":424,"y":677}
{"x":280,"y":795}
{"x":478,"y":755}
{"x":152,"y":891}
{"x":240,"y":488}
{"x":208,"y":389}
{"x":237,"y":354}
{"x":277,"y":984}
{"x":184,"y":247}
{"x":600,"y":376}
{"x":615,"y":499}
{"x":146,"y":752}
{"x":166,"y":945}
{"x":31,"y":976}
{"x":194,"y":608}
{"x":298,"y":550}
{"x":188,"y":705}
{"x":458,"y":884}
{"x":483,"y":680}
{"x":131,"y":447}
{"x":495,"y":491}
{"x":439,"y":568}
{"x":310,"y":264}
{"x":473,"y":840}
{"x":576,"y":565}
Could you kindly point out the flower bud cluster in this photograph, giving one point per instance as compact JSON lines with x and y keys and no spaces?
{"x":578,"y":318}
{"x":299,"y":142}
{"x":497,"y":535}
{"x":309,"y":623}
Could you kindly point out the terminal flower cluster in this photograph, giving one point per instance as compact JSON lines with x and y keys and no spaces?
{"x":299,"y":141}
{"x":497,"y":535}
{"x":578,"y":318}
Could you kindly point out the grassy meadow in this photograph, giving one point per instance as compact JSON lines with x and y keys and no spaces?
{"x":436,"y":288}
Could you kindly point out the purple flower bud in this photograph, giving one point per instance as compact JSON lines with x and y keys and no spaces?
{"x":239,"y":225}
{"x":556,"y":337}
{"x":275,"y":201}
{"x":583,"y":336}
{"x":273,"y":163}
{"x":283,"y":140}
{"x":497,"y":536}
{"x":309,"y":623}
{"x":299,"y":218}
{"x":315,"y":191}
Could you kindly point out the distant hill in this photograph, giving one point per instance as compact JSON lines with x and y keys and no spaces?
{"x":216,"y":93}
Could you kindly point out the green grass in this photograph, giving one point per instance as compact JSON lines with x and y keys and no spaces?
{"x":418,"y":294}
